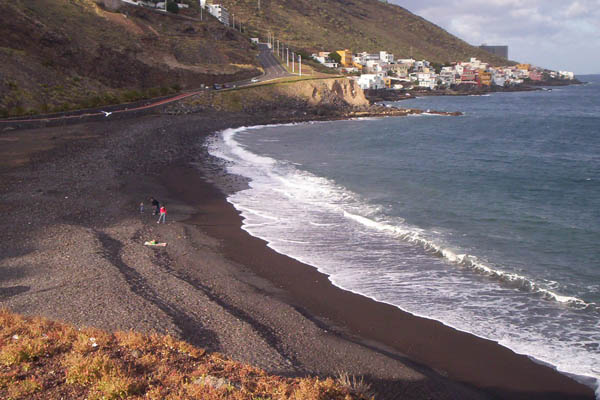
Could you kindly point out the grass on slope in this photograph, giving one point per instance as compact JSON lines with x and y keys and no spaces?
{"x":42,"y":359}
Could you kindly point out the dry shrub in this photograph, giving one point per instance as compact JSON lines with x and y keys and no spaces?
{"x":132,"y":340}
{"x":117,"y":387}
{"x":89,"y":340}
{"x":85,"y":370}
{"x":355,"y":385}
{"x":25,"y":388}
{"x":23,"y":349}
{"x":99,"y":365}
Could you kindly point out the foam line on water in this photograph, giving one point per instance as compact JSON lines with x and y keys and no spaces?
{"x":319,"y":187}
{"x":471,"y":262}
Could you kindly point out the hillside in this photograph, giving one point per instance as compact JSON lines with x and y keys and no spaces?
{"x":66,"y":54}
{"x":357,"y":25}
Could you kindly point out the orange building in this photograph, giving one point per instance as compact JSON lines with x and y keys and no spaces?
{"x":485,"y":78}
{"x":346,"y":56}
{"x":525,"y":67}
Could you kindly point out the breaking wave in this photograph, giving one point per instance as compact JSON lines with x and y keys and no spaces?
{"x":472,"y":263}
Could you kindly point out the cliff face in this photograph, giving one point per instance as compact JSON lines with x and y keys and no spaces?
{"x":338,"y":92}
{"x":317,"y":96}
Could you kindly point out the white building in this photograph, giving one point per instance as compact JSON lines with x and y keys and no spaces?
{"x":363,"y":57}
{"x":421,"y":65}
{"x":427,"y":80}
{"x":406,"y":61}
{"x":448,"y":76}
{"x":323,"y":58}
{"x":386,"y":57}
{"x":374,"y":66}
{"x":474,"y":63}
{"x":498,"y":80}
{"x":371,"y":81}
{"x":219,"y":12}
{"x":567,"y":75}
{"x":318,"y":58}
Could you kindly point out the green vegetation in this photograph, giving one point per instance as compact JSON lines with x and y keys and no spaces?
{"x":172,"y":7}
{"x":42,"y":359}
{"x":335,"y":56}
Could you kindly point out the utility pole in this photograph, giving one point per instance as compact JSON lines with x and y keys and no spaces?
{"x":293,"y":62}
{"x":277,"y":47}
{"x":300,"y":64}
{"x":258,"y":5}
{"x":287,"y":55}
{"x":233,"y":20}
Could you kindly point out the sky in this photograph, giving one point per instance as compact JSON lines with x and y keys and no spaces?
{"x":554,"y":34}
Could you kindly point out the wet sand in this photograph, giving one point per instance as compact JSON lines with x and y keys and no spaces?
{"x":71,"y":248}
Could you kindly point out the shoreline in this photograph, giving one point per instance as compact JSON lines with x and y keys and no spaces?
{"x":583,"y":379}
{"x":366,"y":323}
{"x":214,"y":284}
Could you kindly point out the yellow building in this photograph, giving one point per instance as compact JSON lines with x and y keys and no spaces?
{"x":358,"y":66}
{"x":525,"y":67}
{"x":485,"y":78}
{"x":346,"y":56}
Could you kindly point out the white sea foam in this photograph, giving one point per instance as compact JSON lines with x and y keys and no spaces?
{"x":321,"y":223}
{"x":465,"y":260}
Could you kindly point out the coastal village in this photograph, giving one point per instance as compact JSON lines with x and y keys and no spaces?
{"x":382,"y":70}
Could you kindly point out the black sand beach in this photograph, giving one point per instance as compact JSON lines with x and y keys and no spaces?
{"x":71,"y":248}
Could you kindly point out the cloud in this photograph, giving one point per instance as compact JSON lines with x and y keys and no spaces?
{"x":557,"y":27}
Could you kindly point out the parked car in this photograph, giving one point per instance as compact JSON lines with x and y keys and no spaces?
{"x":216,"y":86}
{"x":253,"y":80}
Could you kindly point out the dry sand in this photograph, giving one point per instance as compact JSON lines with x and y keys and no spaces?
{"x":71,"y":248}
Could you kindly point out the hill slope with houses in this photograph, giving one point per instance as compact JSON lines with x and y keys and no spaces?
{"x":357,"y":25}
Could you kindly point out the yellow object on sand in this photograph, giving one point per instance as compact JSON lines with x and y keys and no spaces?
{"x":154,"y":243}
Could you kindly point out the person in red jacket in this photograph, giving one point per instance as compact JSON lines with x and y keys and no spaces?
{"x":163,"y":215}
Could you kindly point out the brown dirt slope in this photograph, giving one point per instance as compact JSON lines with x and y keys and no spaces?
{"x":67,"y":54}
{"x":357,"y":25}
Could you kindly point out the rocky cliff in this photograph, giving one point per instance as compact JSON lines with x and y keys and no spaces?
{"x":315,"y":96}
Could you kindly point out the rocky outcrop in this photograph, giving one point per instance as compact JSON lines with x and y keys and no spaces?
{"x":340,"y":92}
{"x":316,"y":97}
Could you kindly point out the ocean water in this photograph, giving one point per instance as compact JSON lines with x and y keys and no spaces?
{"x":488,"y":222}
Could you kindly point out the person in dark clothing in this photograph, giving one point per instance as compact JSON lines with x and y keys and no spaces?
{"x":155,"y":206}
